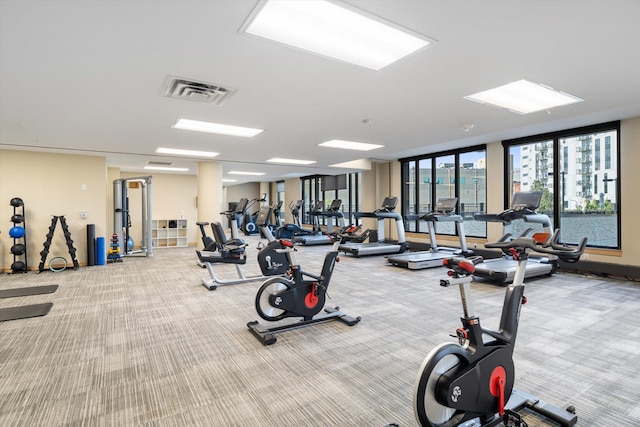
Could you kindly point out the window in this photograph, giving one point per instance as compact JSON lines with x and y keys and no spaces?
{"x":460,"y":173}
{"x":312,"y":193}
{"x":571,"y":196}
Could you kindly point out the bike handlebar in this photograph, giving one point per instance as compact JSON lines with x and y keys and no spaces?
{"x":552,"y":246}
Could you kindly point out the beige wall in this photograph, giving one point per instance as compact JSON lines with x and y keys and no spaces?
{"x":52,"y":184}
{"x":292,"y":193}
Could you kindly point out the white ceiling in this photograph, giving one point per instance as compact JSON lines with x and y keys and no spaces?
{"x":86,"y":77}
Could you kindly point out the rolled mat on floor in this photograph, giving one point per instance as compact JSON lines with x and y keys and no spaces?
{"x":91,"y":244}
{"x":101,"y":258}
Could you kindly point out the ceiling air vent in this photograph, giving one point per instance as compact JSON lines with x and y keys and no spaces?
{"x":154,"y":163}
{"x":191,"y":90}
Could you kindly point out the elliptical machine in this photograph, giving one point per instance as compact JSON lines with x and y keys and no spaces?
{"x":249,"y":221}
{"x":295,"y":296}
{"x":471,"y":383}
{"x":290,"y":230}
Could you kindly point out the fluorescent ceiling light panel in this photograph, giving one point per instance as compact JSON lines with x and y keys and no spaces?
{"x":164,"y":168}
{"x":229,"y":180}
{"x":524,"y":97}
{"x":180,"y":152}
{"x":363,"y":164}
{"x":291,"y":161}
{"x":200,"y":126}
{"x":245,"y":173}
{"x":350,"y":145}
{"x":335,"y":30}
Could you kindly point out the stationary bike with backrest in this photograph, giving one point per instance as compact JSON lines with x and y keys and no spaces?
{"x":302,"y":294}
{"x":234,"y":216}
{"x":271,"y":261}
{"x":471,"y":383}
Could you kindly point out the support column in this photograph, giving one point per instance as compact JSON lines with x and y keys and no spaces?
{"x":210,"y":193}
{"x":265,"y":188}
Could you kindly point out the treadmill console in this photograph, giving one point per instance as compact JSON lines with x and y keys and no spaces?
{"x":389,"y":204}
{"x":241,"y":206}
{"x":446,"y":206}
{"x":318,"y":207}
{"x":335,"y":205}
{"x":263,"y":216}
{"x":526,"y":200}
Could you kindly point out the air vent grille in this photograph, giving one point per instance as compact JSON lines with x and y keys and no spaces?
{"x":154,"y":163}
{"x":192,"y":90}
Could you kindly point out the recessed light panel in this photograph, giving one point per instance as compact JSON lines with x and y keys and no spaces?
{"x":524,"y":97}
{"x":335,"y":30}
{"x":245,"y":173}
{"x":350,"y":145}
{"x":164,"y":168}
{"x":291,"y":161}
{"x":180,"y":152}
{"x":219,"y":128}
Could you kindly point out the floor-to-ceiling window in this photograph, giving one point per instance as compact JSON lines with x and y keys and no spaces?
{"x":345,"y":187}
{"x":457,"y":173}
{"x":577,"y":171}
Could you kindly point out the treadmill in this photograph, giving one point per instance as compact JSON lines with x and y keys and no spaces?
{"x":332,"y":212}
{"x":502,"y":270}
{"x":382,"y":246}
{"x":444,"y":212}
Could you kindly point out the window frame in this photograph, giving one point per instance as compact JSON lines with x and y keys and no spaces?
{"x":455,"y":183}
{"x":557,"y":137}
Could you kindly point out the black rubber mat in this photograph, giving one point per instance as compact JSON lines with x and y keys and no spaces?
{"x":13,"y":313}
{"x":22,"y":292}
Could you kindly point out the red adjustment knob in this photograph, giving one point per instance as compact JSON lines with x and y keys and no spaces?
{"x":287,"y":243}
{"x":462,"y":335}
{"x":524,"y":300}
{"x":338,"y":259}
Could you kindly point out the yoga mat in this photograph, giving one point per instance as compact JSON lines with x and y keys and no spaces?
{"x":22,"y":292}
{"x":24,"y":312}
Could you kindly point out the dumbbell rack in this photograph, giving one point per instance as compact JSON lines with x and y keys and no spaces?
{"x":19,"y":248}
{"x":67,"y":237}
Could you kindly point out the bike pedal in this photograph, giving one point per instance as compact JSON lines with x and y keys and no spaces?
{"x":513,"y":419}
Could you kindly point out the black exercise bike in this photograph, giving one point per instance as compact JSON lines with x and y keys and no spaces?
{"x":301,"y":294}
{"x":471,"y":383}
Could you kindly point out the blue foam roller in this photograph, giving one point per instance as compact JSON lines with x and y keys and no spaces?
{"x":101,"y":250}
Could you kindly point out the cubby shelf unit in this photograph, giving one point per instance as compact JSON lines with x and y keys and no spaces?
{"x":169,"y":233}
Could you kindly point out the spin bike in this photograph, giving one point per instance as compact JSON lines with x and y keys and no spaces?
{"x":295,"y":296}
{"x":471,"y":383}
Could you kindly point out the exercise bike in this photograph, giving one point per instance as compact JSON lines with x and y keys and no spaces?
{"x":271,"y":261}
{"x":471,"y":383}
{"x":297,"y":296}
